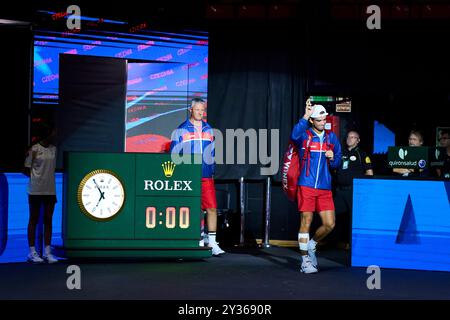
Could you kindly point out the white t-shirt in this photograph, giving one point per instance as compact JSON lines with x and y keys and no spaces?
{"x":321,"y":136}
{"x":42,"y":162}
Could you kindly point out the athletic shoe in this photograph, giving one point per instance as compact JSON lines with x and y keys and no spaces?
{"x":34,"y":258}
{"x":49,"y":258}
{"x":307,"y":266}
{"x":312,"y":254}
{"x":215,"y":249}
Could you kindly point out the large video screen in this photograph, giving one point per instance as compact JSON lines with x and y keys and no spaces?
{"x":165,"y":71}
{"x":403,"y":224}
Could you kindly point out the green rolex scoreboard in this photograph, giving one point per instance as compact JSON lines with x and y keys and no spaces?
{"x":131,"y":205}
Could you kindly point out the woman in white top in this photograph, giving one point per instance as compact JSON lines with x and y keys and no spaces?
{"x":40,"y":167}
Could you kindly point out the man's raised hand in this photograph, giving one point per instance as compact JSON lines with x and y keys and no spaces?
{"x":308,"y":110}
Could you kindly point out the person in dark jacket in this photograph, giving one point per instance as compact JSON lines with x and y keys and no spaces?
{"x":355,"y":163}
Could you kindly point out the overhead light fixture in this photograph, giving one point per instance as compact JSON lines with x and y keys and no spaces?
{"x":14,"y":22}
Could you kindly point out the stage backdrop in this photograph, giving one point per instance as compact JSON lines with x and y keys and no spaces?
{"x":257,"y":81}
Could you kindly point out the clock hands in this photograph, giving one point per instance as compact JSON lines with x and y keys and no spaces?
{"x":102,"y":194}
{"x":96,"y":185}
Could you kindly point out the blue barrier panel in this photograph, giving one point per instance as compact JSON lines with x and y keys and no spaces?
{"x":16,"y":244}
{"x":402,"y":224}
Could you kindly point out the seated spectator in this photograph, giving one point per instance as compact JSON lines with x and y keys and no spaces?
{"x":444,"y":142}
{"x":415,"y":140}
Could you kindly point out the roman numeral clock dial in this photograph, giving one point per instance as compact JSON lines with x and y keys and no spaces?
{"x":101,"y":195}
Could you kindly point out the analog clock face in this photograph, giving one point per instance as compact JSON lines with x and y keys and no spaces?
{"x":101,"y":195}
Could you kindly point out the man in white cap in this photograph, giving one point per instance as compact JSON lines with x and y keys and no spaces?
{"x":319,"y":151}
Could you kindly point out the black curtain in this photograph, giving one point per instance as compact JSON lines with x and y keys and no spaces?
{"x":257,"y":79}
{"x":15,"y":84}
{"x":92,"y":93}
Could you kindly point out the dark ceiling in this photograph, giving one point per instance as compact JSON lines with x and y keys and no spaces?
{"x":412,"y":40}
{"x":432,"y":13}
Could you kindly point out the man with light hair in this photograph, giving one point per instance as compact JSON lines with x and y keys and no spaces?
{"x":196,"y":136}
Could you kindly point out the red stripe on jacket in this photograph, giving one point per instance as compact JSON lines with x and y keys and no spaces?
{"x":197,"y":136}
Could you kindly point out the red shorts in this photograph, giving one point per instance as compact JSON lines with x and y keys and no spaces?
{"x":314,"y":200}
{"x":208,"y":194}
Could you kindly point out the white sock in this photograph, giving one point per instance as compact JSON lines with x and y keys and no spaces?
{"x":303,"y":245}
{"x":212,"y":237}
{"x":47,"y":250}
{"x":32,"y":249}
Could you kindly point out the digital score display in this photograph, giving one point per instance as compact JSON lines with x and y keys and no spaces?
{"x":172,"y":218}
{"x":165,"y":217}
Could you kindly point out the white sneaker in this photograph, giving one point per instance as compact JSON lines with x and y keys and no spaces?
{"x":201,"y":243}
{"x":34,"y":258}
{"x":49,"y":258}
{"x":307,"y":266}
{"x":215,"y":249}
{"x":312,"y":254}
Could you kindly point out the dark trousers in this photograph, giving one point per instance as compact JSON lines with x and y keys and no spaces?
{"x":343,"y":207}
{"x":35,"y":203}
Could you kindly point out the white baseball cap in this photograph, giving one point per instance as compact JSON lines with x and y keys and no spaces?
{"x":318,"y":111}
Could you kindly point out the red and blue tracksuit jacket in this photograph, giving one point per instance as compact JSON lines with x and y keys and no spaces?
{"x":314,"y":166}
{"x":186,"y":139}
